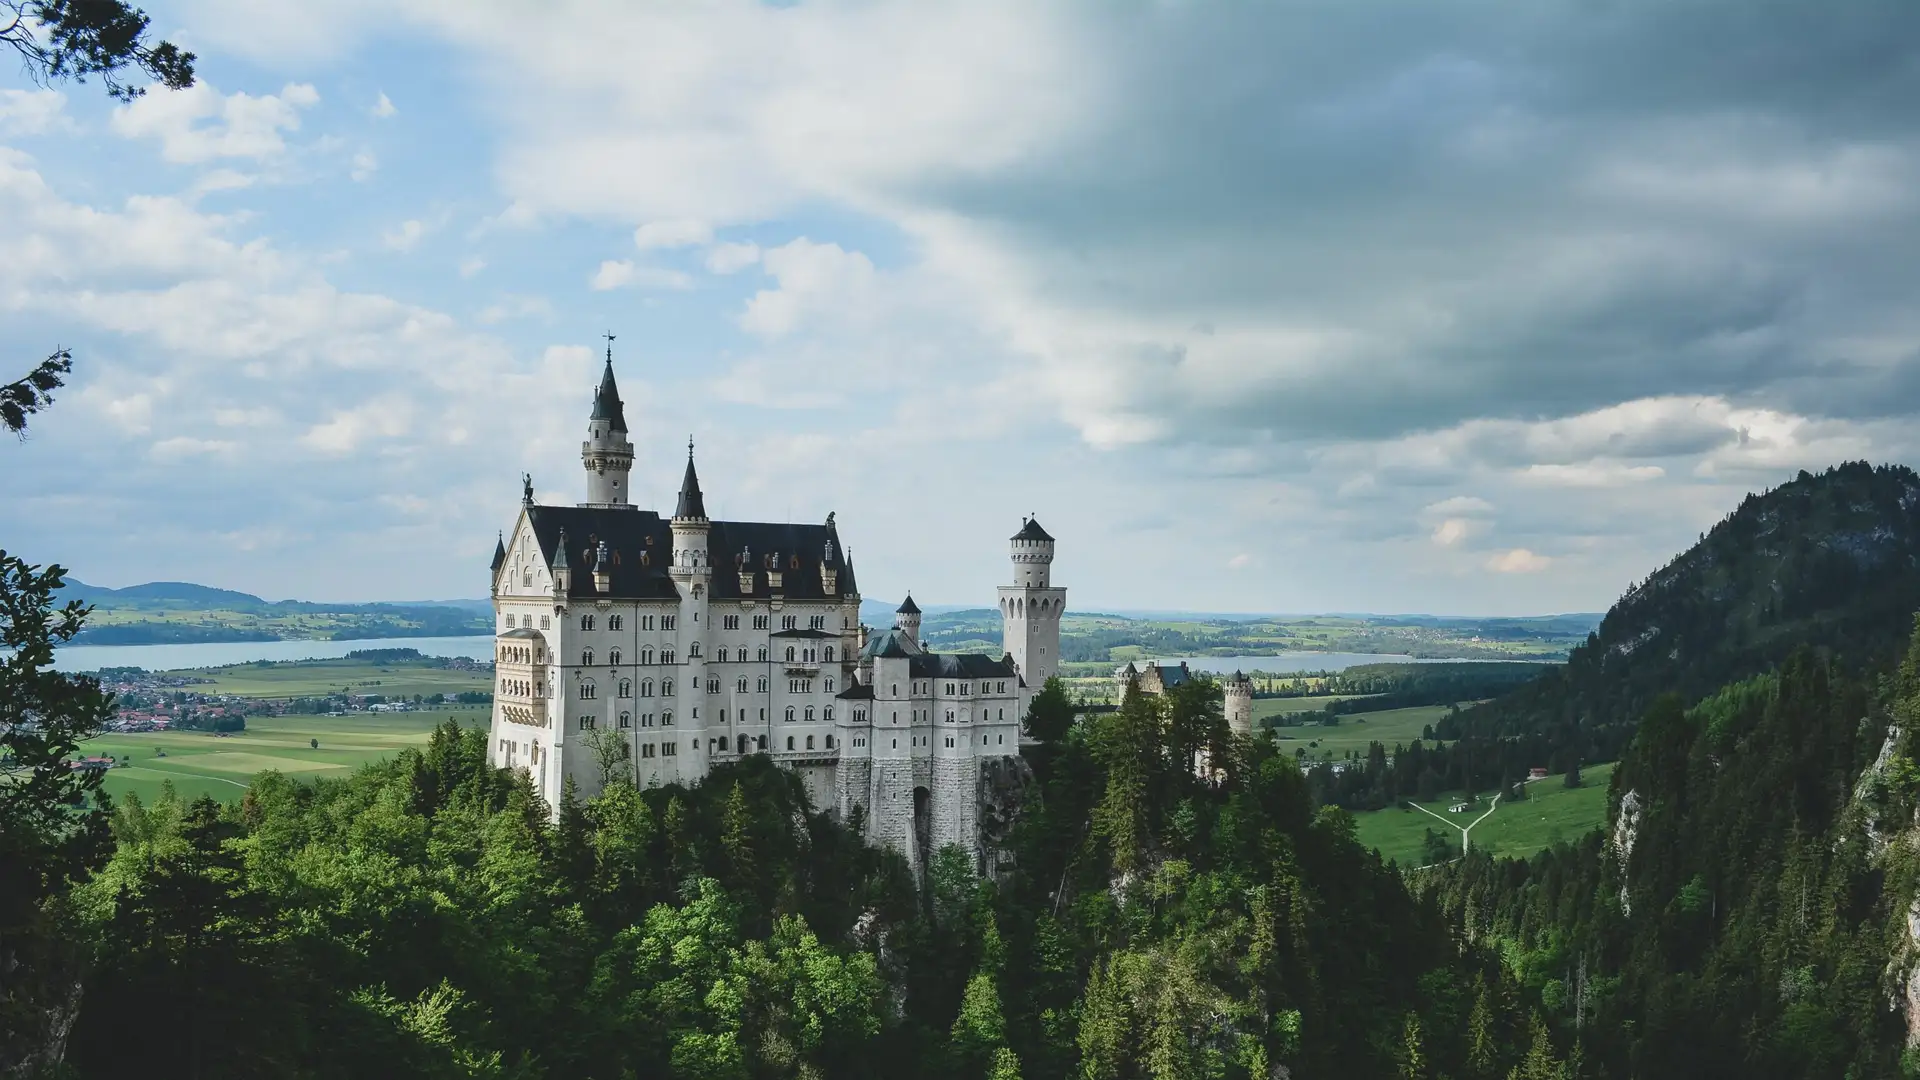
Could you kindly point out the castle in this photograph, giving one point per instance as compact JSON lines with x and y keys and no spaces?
{"x":632,"y":644}
{"x":1158,"y":678}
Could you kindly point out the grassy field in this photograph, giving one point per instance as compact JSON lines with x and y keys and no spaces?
{"x":201,"y":763}
{"x":1552,"y":813}
{"x":1265,"y":707}
{"x":314,"y":678}
{"x":1387,"y":727}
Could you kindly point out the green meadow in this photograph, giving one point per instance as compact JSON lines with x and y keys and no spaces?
{"x":1354,"y":732}
{"x":202,"y":763}
{"x":314,"y":678}
{"x":1551,"y":813}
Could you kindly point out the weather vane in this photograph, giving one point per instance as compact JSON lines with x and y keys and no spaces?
{"x":609,"y":336}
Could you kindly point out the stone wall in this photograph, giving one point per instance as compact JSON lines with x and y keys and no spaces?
{"x":956,"y":802}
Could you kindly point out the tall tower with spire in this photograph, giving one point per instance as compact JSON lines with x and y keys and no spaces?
{"x":607,"y":454}
{"x":1030,"y":607}
{"x":692,"y":573}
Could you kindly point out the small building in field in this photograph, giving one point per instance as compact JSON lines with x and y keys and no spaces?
{"x":1536,"y":774}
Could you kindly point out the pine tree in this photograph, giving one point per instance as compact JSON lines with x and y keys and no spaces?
{"x":736,"y":835}
{"x":1413,"y":1053}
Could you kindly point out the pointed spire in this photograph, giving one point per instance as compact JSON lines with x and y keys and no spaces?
{"x":692,"y":505}
{"x":606,"y":400}
{"x":560,"y":550}
{"x":499,"y":552}
{"x":908,"y":608}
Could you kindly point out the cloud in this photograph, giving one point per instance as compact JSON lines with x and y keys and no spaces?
{"x":406,"y":236}
{"x":365,"y":164}
{"x":32,"y":112}
{"x":730,"y":258}
{"x":1518,"y":561}
{"x":472,"y":265}
{"x":199,"y":124}
{"x":1240,"y":561}
{"x":1452,"y":531}
{"x":383,"y":108}
{"x":671,"y":234}
{"x":812,"y":277}
{"x":619,"y":273}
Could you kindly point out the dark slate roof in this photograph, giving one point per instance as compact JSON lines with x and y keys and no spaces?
{"x":890,"y":645}
{"x":805,"y":633}
{"x":499,"y":552}
{"x":857,"y":691}
{"x":627,"y":533}
{"x":606,"y":401}
{"x":692,"y":504}
{"x":961,"y":666}
{"x":1172,"y":675}
{"x":908,"y":608}
{"x":524,"y":633}
{"x":1031,"y":531}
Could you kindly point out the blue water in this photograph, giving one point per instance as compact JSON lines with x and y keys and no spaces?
{"x":1287,"y":662}
{"x":202,"y":654}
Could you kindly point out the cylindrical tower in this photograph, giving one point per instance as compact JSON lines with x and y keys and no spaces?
{"x":1030,"y":608}
{"x":692,"y":572}
{"x":607,"y":454}
{"x":1239,"y":704}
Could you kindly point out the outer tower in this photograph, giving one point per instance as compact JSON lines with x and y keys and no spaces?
{"x":1239,"y":704}
{"x":1030,"y":607}
{"x":692,"y":573}
{"x":607,"y":454}
{"x":906,"y":619}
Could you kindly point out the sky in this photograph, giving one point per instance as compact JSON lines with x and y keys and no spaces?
{"x":1469,"y":308}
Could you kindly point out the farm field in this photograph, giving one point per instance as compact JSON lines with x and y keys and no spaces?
{"x":1553,"y":813}
{"x":314,"y":678}
{"x":1356,"y":731}
{"x":201,"y":763}
{"x":1265,"y":707}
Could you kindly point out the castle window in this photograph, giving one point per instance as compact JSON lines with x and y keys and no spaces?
{"x":999,"y":714}
{"x":829,"y":654}
{"x":949,"y":742}
{"x":789,"y":742}
{"x":545,"y":623}
{"x":895,"y":693}
{"x":646,"y":687}
{"x":666,"y":656}
{"x":613,"y":657}
{"x":790,"y":654}
{"x":827,"y":713}
{"x":763,"y":653}
{"x":667,"y":621}
{"x":713,"y":685}
{"x":1002,"y":740}
{"x":949,"y":689}
{"x":666,"y":687}
{"x":723,"y":744}
{"x":646,"y":750}
{"x":740,"y":687}
{"x":586,"y":622}
{"x":526,"y":580}
{"x":760,"y":741}
{"x":723,"y":654}
{"x":646,"y":622}
{"x":693,"y":651}
{"x":809,"y":742}
{"x":646,"y":656}
{"x":896,"y":744}
{"x":729,"y":622}
{"x":586,"y":723}
{"x":789,"y":622}
{"x":760,"y":622}
{"x":666,"y":718}
{"x":759,"y":684}
{"x":964,"y":690}
{"x":626,"y":688}
{"x":615,"y":622}
{"x":809,"y":714}
{"x":586,"y":657}
{"x":949,"y":716}
{"x":789,"y":714}
{"x":818,"y":622}
{"x":829,"y":685}
{"x":668,"y":749}
{"x":587,"y":690}
{"x":626,"y":719}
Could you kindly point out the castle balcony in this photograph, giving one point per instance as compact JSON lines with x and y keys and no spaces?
{"x":800,"y":669}
{"x":805,"y":757}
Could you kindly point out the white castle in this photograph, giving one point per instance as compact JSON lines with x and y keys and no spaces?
{"x":690,"y":641}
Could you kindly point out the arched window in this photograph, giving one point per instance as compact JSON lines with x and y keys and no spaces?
{"x":829,"y":654}
{"x":722,"y":657}
{"x":666,"y":718}
{"x":646,"y":656}
{"x":809,"y":742}
{"x":789,"y":654}
{"x":666,"y":687}
{"x":896,"y":690}
{"x":763,"y":652}
{"x":613,"y":657}
{"x":713,"y":684}
{"x":646,"y":687}
{"x":789,"y":714}
{"x":626,"y":719}
{"x":615,"y":622}
{"x":586,"y":657}
{"x":809,"y":714}
{"x":740,"y":686}
{"x":693,"y":650}
{"x":829,"y":684}
{"x":586,"y":622}
{"x":827,"y":713}
{"x":761,"y":684}
{"x":829,"y":742}
{"x":587,"y":692}
{"x":723,"y":744}
{"x":760,"y":741}
{"x":626,"y":688}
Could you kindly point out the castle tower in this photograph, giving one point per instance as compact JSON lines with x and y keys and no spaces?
{"x":692,"y":572}
{"x":1239,"y":704}
{"x":607,"y":454}
{"x":1030,"y":607}
{"x":906,"y":619}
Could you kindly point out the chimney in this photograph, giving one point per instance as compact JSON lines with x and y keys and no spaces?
{"x":602,"y":569}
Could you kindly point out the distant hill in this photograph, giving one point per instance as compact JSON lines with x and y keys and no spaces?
{"x":167,"y":612}
{"x":1829,"y":561}
{"x":181,"y":593}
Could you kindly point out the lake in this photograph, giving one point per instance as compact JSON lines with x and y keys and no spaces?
{"x":1286,"y":662}
{"x":202,"y":654}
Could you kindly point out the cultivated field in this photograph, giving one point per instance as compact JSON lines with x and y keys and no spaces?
{"x":1552,"y":813}
{"x":201,"y":763}
{"x":315,"y":678}
{"x":1354,"y":732}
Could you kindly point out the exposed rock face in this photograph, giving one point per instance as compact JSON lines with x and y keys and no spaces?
{"x":1626,"y":829}
{"x":1000,"y":792}
{"x":1911,"y":989}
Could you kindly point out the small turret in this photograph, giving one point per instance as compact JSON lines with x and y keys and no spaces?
{"x":602,"y":569}
{"x":499,"y":552}
{"x":607,"y":454}
{"x":906,"y":618}
{"x":562,"y":568}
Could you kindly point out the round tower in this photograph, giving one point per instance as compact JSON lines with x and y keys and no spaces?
{"x":906,"y":619}
{"x":692,"y":573}
{"x":1030,"y":608}
{"x":1239,"y":704}
{"x":607,"y":454}
{"x":1032,"y":556}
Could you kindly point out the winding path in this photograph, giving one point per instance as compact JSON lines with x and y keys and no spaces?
{"x":1466,"y":842}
